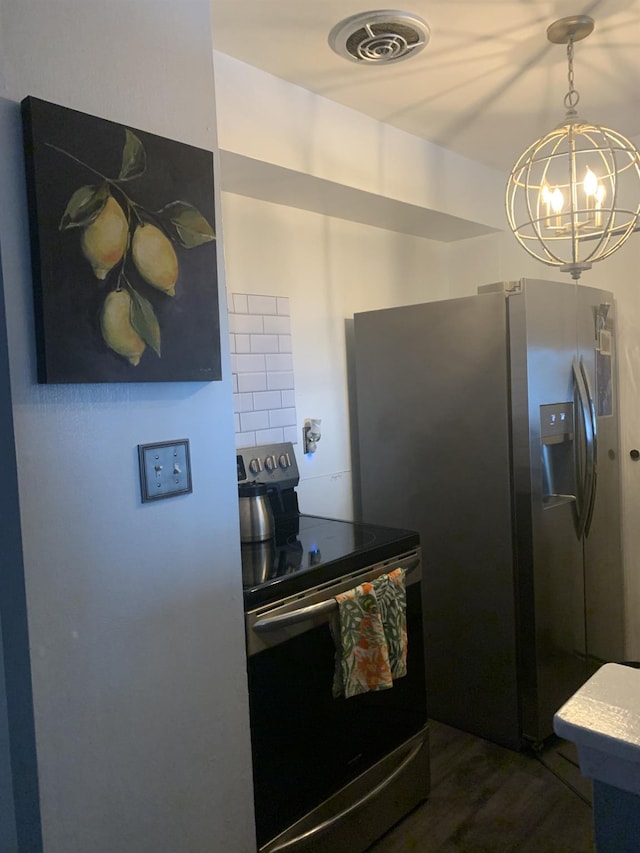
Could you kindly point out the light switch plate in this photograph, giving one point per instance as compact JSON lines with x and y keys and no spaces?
{"x":165,"y":469}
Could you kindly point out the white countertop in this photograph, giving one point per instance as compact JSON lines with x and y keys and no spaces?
{"x":603,"y":720}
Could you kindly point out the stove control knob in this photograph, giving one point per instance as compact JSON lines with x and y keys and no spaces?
{"x":270,"y":463}
{"x":285,"y":460}
{"x":255,"y":466}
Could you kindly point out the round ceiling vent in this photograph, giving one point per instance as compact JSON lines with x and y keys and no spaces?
{"x":377,"y":37}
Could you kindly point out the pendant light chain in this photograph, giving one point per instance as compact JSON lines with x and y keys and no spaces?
{"x":573,"y":96}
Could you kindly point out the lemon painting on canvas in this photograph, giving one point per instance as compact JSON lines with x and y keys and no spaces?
{"x":123,"y":250}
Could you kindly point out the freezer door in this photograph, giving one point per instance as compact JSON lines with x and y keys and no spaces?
{"x":604,"y":579}
{"x":433,"y":432}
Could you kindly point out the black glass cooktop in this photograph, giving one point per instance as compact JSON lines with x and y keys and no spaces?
{"x":315,"y":550}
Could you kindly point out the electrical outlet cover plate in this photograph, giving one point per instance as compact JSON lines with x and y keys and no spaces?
{"x":165,"y":469}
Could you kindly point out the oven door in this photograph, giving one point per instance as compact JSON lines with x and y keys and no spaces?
{"x":307,"y":746}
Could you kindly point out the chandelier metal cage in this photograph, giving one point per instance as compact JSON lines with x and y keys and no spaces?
{"x":573,"y":197}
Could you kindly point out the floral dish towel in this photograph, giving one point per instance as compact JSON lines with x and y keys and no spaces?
{"x":370,"y":633}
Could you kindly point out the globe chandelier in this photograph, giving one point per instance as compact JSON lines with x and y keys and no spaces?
{"x":573,"y":197}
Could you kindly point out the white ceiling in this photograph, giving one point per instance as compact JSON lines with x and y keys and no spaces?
{"x":487,"y":84}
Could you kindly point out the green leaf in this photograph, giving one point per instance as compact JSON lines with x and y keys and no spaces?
{"x":144,"y":320}
{"x":84,"y":206}
{"x":189,"y":225}
{"x":134,"y":159}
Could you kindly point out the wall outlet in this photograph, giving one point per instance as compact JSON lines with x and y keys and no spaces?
{"x":165,"y":469}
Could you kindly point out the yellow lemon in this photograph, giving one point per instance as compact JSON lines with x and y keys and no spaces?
{"x":117,"y":330}
{"x":155,"y":258}
{"x":104,"y":241}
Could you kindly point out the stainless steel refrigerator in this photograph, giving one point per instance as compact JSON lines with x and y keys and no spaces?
{"x":489,"y":424}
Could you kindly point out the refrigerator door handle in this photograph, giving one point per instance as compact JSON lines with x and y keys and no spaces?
{"x":585,"y":482}
{"x":594,"y":453}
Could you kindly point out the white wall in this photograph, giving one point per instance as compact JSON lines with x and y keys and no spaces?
{"x":264,"y":117}
{"x":135,"y":612}
{"x":12,"y":740}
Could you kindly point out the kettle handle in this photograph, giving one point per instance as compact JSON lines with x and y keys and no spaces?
{"x":275,"y":498}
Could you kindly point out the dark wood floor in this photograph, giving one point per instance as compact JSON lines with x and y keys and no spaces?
{"x":486,"y":799}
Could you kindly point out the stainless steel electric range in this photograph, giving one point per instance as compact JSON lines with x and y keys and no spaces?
{"x":329,"y":774}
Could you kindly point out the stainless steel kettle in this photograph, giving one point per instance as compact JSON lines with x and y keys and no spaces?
{"x":256,"y":515}
{"x":257,"y":561}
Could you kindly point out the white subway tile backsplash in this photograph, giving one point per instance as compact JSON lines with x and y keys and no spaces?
{"x":263,"y":304}
{"x":246,"y":439}
{"x":282,"y":417}
{"x":291,"y":434}
{"x":249,"y":362}
{"x":252,"y":382}
{"x":283,"y":305}
{"x":254,"y":421}
{"x":269,"y":436}
{"x":261,"y":349}
{"x":234,"y":382}
{"x":277,"y":325}
{"x":264,"y":343}
{"x":281,"y":361}
{"x":240,"y":303}
{"x":245,"y":324}
{"x":243,"y":343}
{"x":280,"y":381}
{"x":267,"y":400}
{"x":243,"y":402}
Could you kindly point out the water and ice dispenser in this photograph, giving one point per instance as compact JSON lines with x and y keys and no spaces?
{"x":558,"y":456}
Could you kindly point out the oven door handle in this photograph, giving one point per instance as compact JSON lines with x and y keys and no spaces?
{"x":370,"y":795}
{"x":272,"y":623}
{"x":322,"y":608}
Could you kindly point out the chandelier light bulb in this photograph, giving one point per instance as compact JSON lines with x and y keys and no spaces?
{"x":557,"y":201}
{"x":573,"y":197}
{"x":590,"y":185}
